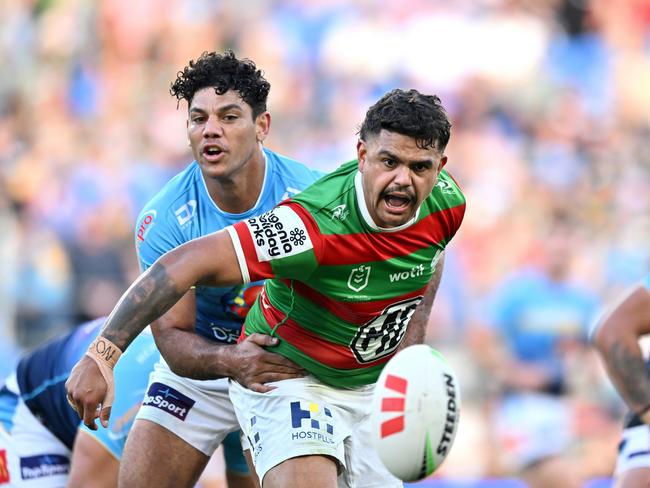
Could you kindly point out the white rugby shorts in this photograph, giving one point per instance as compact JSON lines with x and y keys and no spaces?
{"x":31,"y":456}
{"x":199,"y":412}
{"x":304,"y":416}
{"x":634,"y":450}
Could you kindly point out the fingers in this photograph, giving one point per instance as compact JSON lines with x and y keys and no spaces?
{"x":260,"y":388}
{"x":279,"y":363}
{"x":104,"y":416}
{"x":263,"y":340}
{"x":89,"y":414}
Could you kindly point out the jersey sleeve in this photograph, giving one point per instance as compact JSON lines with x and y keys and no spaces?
{"x":281,"y":243}
{"x":154,"y":236}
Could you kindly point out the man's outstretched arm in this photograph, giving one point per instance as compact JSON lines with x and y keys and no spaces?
{"x":617,"y":340}
{"x":210,"y":260}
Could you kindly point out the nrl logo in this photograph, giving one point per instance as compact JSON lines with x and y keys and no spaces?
{"x":340,"y":213}
{"x":358,"y":278}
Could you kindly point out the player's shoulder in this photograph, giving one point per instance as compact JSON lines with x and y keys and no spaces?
{"x":175,"y":190}
{"x":335,"y":189}
{"x":447,"y":188}
{"x":289,"y":171}
{"x":164,"y":207}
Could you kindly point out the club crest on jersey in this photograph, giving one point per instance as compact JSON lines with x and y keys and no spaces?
{"x":445,"y":187}
{"x":340,"y":213}
{"x":279,"y":233}
{"x":358,"y":278}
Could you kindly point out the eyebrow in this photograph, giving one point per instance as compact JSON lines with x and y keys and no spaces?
{"x":386,"y":152}
{"x":225,"y":108}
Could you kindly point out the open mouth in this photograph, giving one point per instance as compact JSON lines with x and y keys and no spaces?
{"x":397,"y":202}
{"x":212,"y":152}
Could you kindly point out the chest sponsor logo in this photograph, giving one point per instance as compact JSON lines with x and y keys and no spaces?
{"x":414,"y":272}
{"x":4,"y":469}
{"x":185,"y":212}
{"x":340,"y":213}
{"x":359,"y":277}
{"x":380,"y":337}
{"x":146,"y":223}
{"x":169,"y":400}
{"x":312,"y":422}
{"x":278,"y":233}
{"x":43,"y":465}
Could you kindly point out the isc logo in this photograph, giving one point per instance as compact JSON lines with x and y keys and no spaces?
{"x":394,"y":404}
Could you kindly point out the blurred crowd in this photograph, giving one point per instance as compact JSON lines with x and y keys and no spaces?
{"x":551,"y":143}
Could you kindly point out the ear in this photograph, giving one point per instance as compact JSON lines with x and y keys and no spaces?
{"x":262,"y":126}
{"x":443,"y":161}
{"x":362,"y":152}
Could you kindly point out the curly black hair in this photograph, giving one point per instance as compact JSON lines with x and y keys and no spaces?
{"x":412,"y":114}
{"x":223,"y":72}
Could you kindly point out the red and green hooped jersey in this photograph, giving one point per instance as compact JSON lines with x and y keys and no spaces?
{"x":341,"y":290}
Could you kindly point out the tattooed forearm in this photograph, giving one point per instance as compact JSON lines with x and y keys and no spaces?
{"x":417,"y":326}
{"x":149,"y":297}
{"x":628,"y":371}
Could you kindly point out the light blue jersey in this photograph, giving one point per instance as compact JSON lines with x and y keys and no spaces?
{"x":41,"y":375}
{"x":183,"y":210}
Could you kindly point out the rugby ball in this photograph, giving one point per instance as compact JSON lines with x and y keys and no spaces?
{"x":415,"y":412}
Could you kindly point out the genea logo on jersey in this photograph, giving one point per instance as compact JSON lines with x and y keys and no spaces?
{"x":317,"y":426}
{"x":169,"y":400}
{"x":279,"y":233}
{"x":34,"y":467}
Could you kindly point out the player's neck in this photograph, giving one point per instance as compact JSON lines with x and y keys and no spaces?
{"x":238,"y":192}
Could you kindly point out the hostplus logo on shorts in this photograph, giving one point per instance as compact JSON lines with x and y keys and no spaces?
{"x":169,"y":400}
{"x":313,"y":422}
{"x":43,"y":465}
{"x":254,"y":437}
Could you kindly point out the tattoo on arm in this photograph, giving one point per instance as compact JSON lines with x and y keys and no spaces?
{"x":149,"y":297}
{"x":417,"y":327}
{"x":629,"y":372}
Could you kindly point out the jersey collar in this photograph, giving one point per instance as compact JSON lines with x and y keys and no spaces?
{"x":365,"y":213}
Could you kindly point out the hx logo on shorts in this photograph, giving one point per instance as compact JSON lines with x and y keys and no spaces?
{"x":318,"y":419}
{"x":169,"y":400}
{"x":33,"y":467}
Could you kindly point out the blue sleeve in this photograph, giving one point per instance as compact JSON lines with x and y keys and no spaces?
{"x":155,"y":234}
{"x":131,"y":379}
